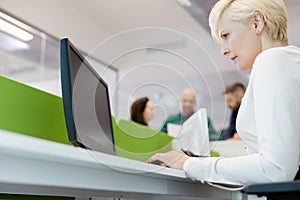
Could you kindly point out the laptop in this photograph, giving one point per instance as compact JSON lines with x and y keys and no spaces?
{"x":86,"y":102}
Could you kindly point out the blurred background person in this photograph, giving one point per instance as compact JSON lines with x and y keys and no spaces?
{"x":141,"y":111}
{"x":187,"y":103}
{"x":233,"y":97}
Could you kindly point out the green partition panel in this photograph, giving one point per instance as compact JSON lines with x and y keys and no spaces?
{"x":30,"y":111}
{"x":139,"y":142}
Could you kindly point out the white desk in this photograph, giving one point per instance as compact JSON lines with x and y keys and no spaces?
{"x":38,"y":167}
{"x":229,"y":148}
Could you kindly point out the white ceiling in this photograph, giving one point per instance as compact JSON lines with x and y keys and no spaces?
{"x":92,"y":22}
{"x":108,"y":28}
{"x":88,"y":23}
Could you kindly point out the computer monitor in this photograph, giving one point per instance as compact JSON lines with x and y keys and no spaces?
{"x":86,"y":102}
{"x":193,"y":136}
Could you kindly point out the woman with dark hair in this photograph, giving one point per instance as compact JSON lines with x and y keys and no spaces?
{"x":141,"y":111}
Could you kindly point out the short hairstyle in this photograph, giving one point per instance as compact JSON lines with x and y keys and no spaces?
{"x":235,"y":87}
{"x":137,"y":109}
{"x":242,"y":11}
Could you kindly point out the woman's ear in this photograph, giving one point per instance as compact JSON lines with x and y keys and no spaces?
{"x":258,"y":22}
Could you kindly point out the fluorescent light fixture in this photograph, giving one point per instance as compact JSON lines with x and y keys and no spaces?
{"x":185,"y":3}
{"x":10,"y":43}
{"x":15,"y":31}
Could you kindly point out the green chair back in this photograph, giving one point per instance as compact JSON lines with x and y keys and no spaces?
{"x":139,"y":142}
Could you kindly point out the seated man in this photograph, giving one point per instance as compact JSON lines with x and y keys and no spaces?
{"x":187,"y":103}
{"x":233,"y":96}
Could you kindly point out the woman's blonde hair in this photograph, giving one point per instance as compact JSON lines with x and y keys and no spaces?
{"x":242,"y":11}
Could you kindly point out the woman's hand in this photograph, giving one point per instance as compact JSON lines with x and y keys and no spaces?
{"x":172,"y":159}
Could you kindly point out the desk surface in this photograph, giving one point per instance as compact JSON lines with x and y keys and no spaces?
{"x":40,"y":167}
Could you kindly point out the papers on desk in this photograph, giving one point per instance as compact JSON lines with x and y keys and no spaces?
{"x":192,"y":136}
{"x":174,"y":129}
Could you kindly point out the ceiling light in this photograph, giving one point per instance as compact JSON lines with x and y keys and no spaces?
{"x":185,"y":3}
{"x":15,"y":31}
{"x":10,"y":43}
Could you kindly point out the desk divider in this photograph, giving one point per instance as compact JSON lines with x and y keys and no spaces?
{"x":30,"y":111}
{"x":139,"y":142}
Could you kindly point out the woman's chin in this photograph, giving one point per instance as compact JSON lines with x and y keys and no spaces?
{"x":242,"y":67}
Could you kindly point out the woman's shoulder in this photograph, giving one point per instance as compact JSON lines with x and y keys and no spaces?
{"x":278,"y":56}
{"x":279,"y":53}
{"x":277,"y":64}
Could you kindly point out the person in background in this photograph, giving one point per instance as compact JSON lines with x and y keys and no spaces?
{"x":233,"y":97}
{"x":187,"y":103}
{"x":253,"y":35}
{"x":141,"y":111}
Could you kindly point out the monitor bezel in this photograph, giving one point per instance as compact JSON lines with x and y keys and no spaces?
{"x":67,"y":91}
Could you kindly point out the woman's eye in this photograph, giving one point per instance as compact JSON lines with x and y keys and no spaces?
{"x":225,"y":35}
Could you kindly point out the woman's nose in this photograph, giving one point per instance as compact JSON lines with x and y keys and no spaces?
{"x":224,"y":51}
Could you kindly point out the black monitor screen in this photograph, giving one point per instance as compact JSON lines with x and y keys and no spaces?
{"x":87,"y":93}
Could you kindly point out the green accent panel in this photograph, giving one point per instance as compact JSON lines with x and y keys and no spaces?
{"x":32,"y":197}
{"x":214,"y":154}
{"x":27,"y":110}
{"x":139,"y":142}
{"x":33,"y":112}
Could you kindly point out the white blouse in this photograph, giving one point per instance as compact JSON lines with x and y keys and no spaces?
{"x":268,"y":122}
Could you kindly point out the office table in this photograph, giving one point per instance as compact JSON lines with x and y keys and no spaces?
{"x":34,"y":166}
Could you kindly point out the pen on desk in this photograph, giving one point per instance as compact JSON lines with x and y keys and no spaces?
{"x":189,"y":153}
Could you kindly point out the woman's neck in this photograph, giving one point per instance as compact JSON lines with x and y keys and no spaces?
{"x":267,"y":44}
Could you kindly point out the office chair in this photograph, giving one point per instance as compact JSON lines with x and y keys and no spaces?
{"x":275,"y":191}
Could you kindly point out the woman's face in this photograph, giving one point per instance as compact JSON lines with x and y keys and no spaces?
{"x":148,"y":112}
{"x":240,"y":44}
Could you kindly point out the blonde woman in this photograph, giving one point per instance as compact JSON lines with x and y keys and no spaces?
{"x":253,"y":34}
